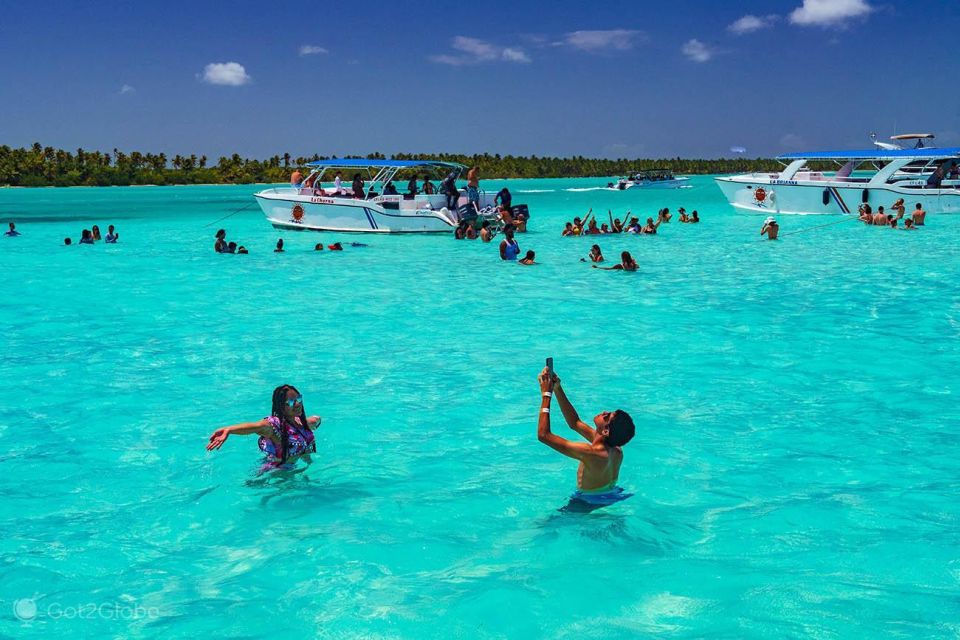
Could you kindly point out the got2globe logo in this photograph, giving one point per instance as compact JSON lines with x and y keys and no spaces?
{"x":297,"y":213}
{"x":25,"y":609}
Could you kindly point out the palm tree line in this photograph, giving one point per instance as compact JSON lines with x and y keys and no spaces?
{"x":39,"y":166}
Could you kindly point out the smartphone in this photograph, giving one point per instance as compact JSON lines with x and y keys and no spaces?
{"x":550,"y":365}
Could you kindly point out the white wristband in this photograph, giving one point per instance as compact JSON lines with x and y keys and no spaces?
{"x":547,"y":394}
{"x":545,"y":410}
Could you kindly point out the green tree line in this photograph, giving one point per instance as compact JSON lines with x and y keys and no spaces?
{"x":39,"y":166}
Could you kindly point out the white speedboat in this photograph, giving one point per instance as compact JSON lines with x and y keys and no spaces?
{"x":318,"y":208}
{"x":925,"y":175}
{"x":652,"y":179}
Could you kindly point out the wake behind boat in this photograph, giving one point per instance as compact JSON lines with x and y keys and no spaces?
{"x":651,"y":179}
{"x":926,"y":175}
{"x":312,"y":207}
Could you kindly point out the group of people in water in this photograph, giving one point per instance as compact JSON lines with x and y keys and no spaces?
{"x":881,"y":218}
{"x":631,"y":224}
{"x":222,"y":246}
{"x":92,"y":236}
{"x":288,"y":435}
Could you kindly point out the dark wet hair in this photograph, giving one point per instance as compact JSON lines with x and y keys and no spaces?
{"x":530,"y":255}
{"x":276,"y":410}
{"x":621,"y":429}
{"x":67,"y":241}
{"x":221,"y":233}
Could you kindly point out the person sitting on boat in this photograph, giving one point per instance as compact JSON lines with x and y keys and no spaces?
{"x":286,"y":435}
{"x":528,"y":259}
{"x":428,"y":187}
{"x":338,"y":184}
{"x":503,"y":198}
{"x":627,"y":263}
{"x":919,"y":215}
{"x":449,"y":188}
{"x":567,"y":230}
{"x":485,"y":233}
{"x":665,"y":215}
{"x":296,"y":178}
{"x":651,"y":227}
{"x":509,"y":248}
{"x":358,"y":190}
{"x":770,"y":228}
{"x":600,"y":457}
{"x":389,"y":189}
{"x":412,"y":187}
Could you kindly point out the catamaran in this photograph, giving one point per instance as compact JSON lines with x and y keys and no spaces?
{"x":316,"y":208}
{"x":650,"y":179}
{"x":929,"y":176}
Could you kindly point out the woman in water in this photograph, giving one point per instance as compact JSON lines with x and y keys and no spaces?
{"x":279,"y":248}
{"x":285,"y":435}
{"x":86,"y":237}
{"x":96,"y":233}
{"x":627,"y":263}
{"x":528,"y":259}
{"x":595,"y":254}
{"x":220,"y":244}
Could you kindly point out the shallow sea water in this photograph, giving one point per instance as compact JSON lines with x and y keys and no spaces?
{"x":794,"y":465}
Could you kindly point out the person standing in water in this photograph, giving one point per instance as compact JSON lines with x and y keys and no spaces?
{"x":509,"y":248}
{"x":918,"y":215}
{"x":12,"y":232}
{"x":286,"y":435}
{"x":600,"y":457}
{"x":473,"y":187}
{"x":112,"y":235}
{"x":770,"y":228}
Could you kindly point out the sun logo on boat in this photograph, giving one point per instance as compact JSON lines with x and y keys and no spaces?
{"x":759,"y":195}
{"x":297,"y":213}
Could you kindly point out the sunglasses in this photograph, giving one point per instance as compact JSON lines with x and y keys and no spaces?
{"x":294,"y":401}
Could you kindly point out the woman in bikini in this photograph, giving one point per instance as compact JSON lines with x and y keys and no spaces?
{"x":286,"y":435}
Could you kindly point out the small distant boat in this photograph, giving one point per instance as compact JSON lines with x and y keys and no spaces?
{"x":323,"y":209}
{"x":651,"y":179}
{"x":926,"y":175}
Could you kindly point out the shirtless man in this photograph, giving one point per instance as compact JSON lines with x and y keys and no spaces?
{"x":918,"y":215}
{"x":600,"y":456}
{"x":880,"y":218}
{"x":296,"y":178}
{"x":899,"y":208}
{"x":770,"y":228}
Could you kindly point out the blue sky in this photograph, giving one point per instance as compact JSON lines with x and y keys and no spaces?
{"x":612,"y":79}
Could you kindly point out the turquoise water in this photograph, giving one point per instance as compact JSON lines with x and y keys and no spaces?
{"x":794,"y":464}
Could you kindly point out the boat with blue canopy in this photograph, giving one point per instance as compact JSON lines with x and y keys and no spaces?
{"x":362,"y":198}
{"x":928,"y":176}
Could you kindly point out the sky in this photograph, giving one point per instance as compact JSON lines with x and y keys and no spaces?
{"x":632,"y":79}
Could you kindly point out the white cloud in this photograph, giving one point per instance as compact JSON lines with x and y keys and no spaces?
{"x":231,"y":74}
{"x":828,"y":13}
{"x":126,"y":89}
{"x":475,"y":51}
{"x":697,"y":51}
{"x":311,"y":50}
{"x":750,"y":23}
{"x":610,"y":39}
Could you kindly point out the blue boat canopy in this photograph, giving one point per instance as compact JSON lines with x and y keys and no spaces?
{"x":875,"y":154}
{"x":353,"y":163}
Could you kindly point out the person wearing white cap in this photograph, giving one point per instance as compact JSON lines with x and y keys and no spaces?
{"x":770,"y":228}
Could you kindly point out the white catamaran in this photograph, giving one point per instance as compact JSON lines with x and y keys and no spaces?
{"x":880,"y":176}
{"x":315,"y":208}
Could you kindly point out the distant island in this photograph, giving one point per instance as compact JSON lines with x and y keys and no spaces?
{"x":39,"y":166}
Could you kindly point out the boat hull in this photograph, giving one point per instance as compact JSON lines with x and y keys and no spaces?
{"x":829,"y":197}
{"x":676,"y":183}
{"x":288,"y":209}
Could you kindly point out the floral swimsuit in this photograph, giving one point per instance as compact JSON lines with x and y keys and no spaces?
{"x":300,"y":440}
